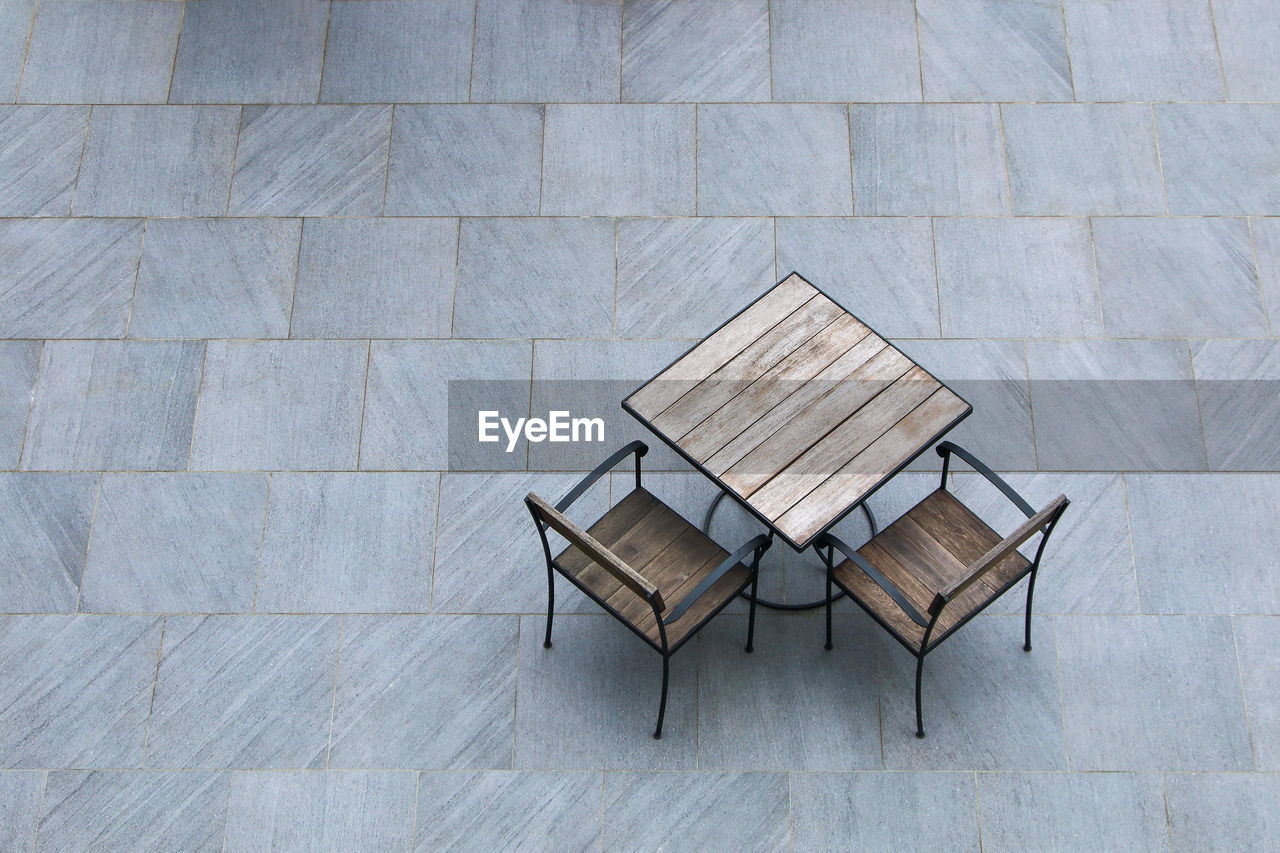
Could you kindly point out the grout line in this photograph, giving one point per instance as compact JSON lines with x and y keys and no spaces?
{"x":44,"y":789}
{"x":695,"y":160}
{"x":1097,"y":278}
{"x":1155,"y":134}
{"x":977,"y":808}
{"x":1195,"y":384}
{"x":1244,"y":698}
{"x":1168,"y":821}
{"x":226,"y":823}
{"x":1217,"y":46}
{"x":26,"y":50}
{"x":137,"y":273}
{"x":297,"y":274}
{"x":324,"y":50}
{"x":1031,"y":408}
{"x":542,"y":158}
{"x":1004,"y":153}
{"x":195,"y":416}
{"x":775,"y":248}
{"x":84,"y":145}
{"x":235,"y":155}
{"x":1066,"y":40}
{"x":475,"y":24}
{"x":622,"y":32}
{"x":915,"y":9}
{"x":93,"y":516}
{"x":337,"y":667}
{"x":457,"y":264}
{"x":937,"y":275}
{"x":262,"y":539}
{"x":417,"y":792}
{"x":617,"y":227}
{"x":31,"y":404}
{"x":364,"y":398}
{"x":515,"y":699}
{"x":1133,"y":557}
{"x":1257,"y":271}
{"x":848,"y":129}
{"x":791,"y":814}
{"x":768,"y":23}
{"x":155,"y":682}
{"x":386,"y":177}
{"x":173,"y":66}
{"x":435,"y":544}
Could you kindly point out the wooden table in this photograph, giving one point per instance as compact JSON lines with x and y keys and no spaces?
{"x":797,"y":409}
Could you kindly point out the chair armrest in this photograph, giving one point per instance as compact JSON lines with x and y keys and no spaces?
{"x":945,"y":448}
{"x":871,"y":572}
{"x":759,"y":543}
{"x":638,"y":447}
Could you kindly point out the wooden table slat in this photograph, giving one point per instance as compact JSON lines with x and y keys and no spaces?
{"x":747,"y":366}
{"x":808,"y":426}
{"x":844,"y":443}
{"x":788,"y":376}
{"x":707,"y":357}
{"x":804,"y":520}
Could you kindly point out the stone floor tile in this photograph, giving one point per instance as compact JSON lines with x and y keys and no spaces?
{"x":516,"y":277}
{"x":558,"y":51}
{"x":375,"y":278}
{"x":680,"y":278}
{"x":157,"y":161}
{"x":992,"y":377}
{"x":812,"y":43}
{"x":789,"y":705}
{"x":119,"y":810}
{"x":106,"y":52}
{"x":1178,"y":278}
{"x":67,"y":277}
{"x":1081,"y":159}
{"x":1248,"y":32}
{"x":348,"y":542}
{"x":114,"y":405}
{"x":1259,"y":661}
{"x":1151,"y":693}
{"x":988,"y":705}
{"x":1012,"y":278}
{"x":840,"y":811}
{"x":504,"y":811}
{"x":1088,"y":564}
{"x":271,"y":405}
{"x":425,"y":692}
{"x":44,"y":531}
{"x":19,"y":361}
{"x":697,"y":811}
{"x":483,"y":521}
{"x":216,"y":278}
{"x":311,"y":161}
{"x":39,"y":157}
{"x":618,"y":160}
{"x":398,"y":51}
{"x":775,"y":159}
{"x":16,"y":17}
{"x":320,"y":811}
{"x":674,"y":51}
{"x":20,"y":794}
{"x":244,"y":51}
{"x":250,"y":692}
{"x":940,"y":159}
{"x":1072,"y":811}
{"x":1236,"y":382}
{"x":986,"y":50}
{"x":1222,"y":811}
{"x":1213,"y":154}
{"x":1114,"y":405}
{"x":1266,"y":246}
{"x":1187,"y":557}
{"x":1148,"y":50}
{"x":881,"y":269}
{"x":588,"y":379}
{"x":74,"y":690}
{"x":591,"y":701}
{"x":465,"y":159}
{"x":423,"y":398}
{"x":175,"y":542}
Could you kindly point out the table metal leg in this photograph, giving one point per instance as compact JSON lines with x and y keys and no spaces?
{"x":777,"y":605}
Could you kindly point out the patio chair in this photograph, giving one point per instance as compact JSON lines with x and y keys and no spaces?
{"x":640,"y":556}
{"x":939,"y":565}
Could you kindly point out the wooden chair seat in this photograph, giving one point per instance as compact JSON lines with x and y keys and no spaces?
{"x":672,"y":554}
{"x":923,"y":553}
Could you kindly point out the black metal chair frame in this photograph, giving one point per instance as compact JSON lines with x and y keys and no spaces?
{"x":755,"y":547}
{"x":829,"y":543}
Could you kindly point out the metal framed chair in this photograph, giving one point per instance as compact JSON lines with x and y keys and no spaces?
{"x":640,"y":556}
{"x":938,"y":566}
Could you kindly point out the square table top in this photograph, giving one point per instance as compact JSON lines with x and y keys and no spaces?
{"x":797,"y":408}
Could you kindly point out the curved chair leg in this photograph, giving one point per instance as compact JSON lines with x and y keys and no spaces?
{"x":1031,"y":588}
{"x":828,"y":646}
{"x":551,"y":606}
{"x":751,"y":609}
{"x":919,"y":714}
{"x":662,"y":706}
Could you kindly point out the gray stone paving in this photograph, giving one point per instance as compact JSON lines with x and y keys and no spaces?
{"x":245,"y":246}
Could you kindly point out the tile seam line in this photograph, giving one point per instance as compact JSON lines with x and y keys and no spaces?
{"x":235,"y":155}
{"x":195,"y":414}
{"x":151,"y":706}
{"x":137,"y":274}
{"x":31,"y":405}
{"x":173,"y":66}
{"x":93,"y":517}
{"x":333,"y":705}
{"x":471,"y":70}
{"x":1217,"y":46}
{"x":1164,"y":185}
{"x":44,"y":789}
{"x":324,"y":51}
{"x":226,"y":821}
{"x":1244,"y":698}
{"x":386,"y":175}
{"x":364,"y":401}
{"x":1200,"y":102}
{"x":1066,"y":43}
{"x":1257,"y":271}
{"x":26,"y":50}
{"x":84,"y":147}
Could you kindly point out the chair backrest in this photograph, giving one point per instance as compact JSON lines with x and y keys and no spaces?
{"x":1041,"y":522}
{"x":546,"y":514}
